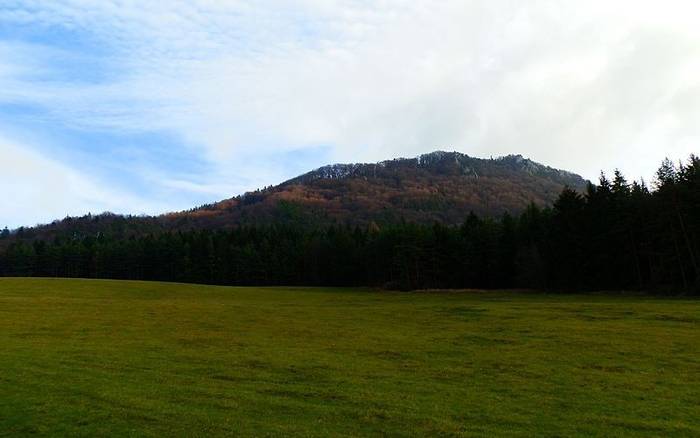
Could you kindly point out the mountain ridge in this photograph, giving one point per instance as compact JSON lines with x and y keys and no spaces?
{"x":439,"y":187}
{"x":435,"y":187}
{"x":341,"y":170}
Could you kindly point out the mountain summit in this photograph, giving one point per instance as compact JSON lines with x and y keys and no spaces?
{"x":441,"y":162}
{"x":436,"y":187}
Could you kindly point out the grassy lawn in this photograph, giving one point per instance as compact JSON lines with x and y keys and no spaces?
{"x":81,"y":357}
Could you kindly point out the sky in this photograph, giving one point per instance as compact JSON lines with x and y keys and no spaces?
{"x":148,"y":106}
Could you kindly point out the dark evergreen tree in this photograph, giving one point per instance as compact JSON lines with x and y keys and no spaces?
{"x":615,"y":236}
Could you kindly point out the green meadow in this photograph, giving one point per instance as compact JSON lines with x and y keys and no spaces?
{"x":98,"y":358}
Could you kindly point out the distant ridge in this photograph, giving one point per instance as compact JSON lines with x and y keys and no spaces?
{"x":437,"y":160}
{"x":439,"y":187}
{"x":436,"y":187}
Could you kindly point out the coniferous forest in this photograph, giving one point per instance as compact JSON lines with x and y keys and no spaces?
{"x":615,"y":236}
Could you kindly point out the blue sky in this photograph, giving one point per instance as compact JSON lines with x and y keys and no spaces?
{"x":153,"y":106}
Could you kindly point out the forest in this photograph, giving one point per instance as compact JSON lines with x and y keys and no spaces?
{"x":615,"y":235}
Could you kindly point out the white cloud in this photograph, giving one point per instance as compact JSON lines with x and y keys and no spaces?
{"x":36,"y":189}
{"x":580,"y":85}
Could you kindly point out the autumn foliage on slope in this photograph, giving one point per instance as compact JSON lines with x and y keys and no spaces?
{"x":442,"y":187}
{"x":439,"y":187}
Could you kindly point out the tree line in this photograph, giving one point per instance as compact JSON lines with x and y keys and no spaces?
{"x":615,"y":236}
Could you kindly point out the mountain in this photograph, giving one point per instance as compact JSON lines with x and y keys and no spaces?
{"x":436,"y":187}
{"x":439,"y":186}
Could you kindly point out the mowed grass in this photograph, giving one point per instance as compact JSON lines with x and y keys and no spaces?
{"x":81,"y":357}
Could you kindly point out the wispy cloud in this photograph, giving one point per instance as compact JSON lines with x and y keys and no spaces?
{"x":237,"y":84}
{"x":41,"y":189}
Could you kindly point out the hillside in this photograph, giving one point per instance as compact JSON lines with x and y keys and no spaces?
{"x":437,"y":187}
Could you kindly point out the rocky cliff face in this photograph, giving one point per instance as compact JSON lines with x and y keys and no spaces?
{"x":444,"y":163}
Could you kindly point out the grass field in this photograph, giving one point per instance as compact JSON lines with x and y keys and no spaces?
{"x":80,"y":357}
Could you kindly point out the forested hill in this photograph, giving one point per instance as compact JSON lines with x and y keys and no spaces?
{"x":441,"y":187}
{"x":614,"y":236}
